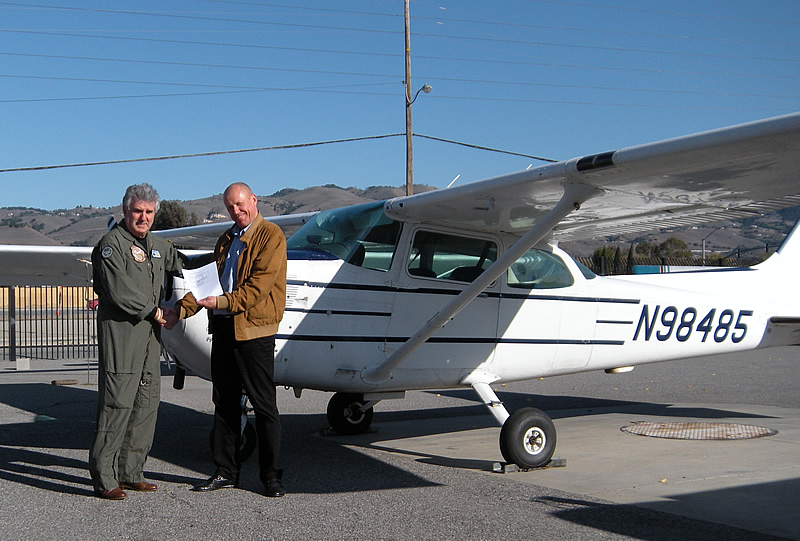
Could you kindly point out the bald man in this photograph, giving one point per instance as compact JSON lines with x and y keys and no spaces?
{"x":251,"y":260}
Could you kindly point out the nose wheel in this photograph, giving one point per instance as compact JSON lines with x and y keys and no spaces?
{"x":528,"y":438}
{"x":348,"y":414}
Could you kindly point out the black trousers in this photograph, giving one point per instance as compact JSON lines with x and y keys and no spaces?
{"x":248,"y":365}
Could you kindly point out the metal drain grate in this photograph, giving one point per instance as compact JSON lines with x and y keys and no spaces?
{"x":698,"y":431}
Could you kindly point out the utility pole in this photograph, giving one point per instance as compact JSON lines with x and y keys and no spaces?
{"x":409,"y":150}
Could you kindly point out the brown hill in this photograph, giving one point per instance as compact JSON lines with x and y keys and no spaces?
{"x":83,"y":226}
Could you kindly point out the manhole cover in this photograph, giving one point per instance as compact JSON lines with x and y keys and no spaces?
{"x":698,"y":431}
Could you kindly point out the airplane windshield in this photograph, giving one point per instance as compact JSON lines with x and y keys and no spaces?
{"x":361,"y":235}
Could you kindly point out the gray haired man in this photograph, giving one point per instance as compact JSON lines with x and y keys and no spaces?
{"x":129,"y":265}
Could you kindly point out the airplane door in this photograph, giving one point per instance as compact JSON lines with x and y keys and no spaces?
{"x":436,"y":267}
{"x":544,"y":325}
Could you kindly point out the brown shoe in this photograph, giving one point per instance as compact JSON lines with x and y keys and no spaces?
{"x":143,"y":486}
{"x":113,"y":494}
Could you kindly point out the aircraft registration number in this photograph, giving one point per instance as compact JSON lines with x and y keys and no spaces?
{"x":672,"y":323}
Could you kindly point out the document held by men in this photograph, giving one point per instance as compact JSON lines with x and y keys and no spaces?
{"x":203,"y":282}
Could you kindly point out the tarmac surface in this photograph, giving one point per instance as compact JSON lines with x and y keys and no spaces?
{"x":426,"y":472}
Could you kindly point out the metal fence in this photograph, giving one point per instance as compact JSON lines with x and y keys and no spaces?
{"x":55,"y":322}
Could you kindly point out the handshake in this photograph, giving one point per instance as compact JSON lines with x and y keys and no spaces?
{"x":167,"y":317}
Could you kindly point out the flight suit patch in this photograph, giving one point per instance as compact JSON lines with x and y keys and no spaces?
{"x":139,"y":255}
{"x":107,"y":252}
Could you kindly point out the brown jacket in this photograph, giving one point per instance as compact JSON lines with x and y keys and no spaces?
{"x":259,"y":295}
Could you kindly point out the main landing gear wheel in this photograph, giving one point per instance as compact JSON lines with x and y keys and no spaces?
{"x":344,"y":414}
{"x":528,"y":438}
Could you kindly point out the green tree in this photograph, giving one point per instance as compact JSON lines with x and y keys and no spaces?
{"x":171,"y":215}
{"x":646,"y":249}
{"x":629,"y":260}
{"x":603,"y":258}
{"x":673,"y":247}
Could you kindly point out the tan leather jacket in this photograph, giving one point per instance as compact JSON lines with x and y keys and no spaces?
{"x":259,"y":295}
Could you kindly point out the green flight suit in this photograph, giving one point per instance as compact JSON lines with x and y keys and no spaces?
{"x":129,"y":283}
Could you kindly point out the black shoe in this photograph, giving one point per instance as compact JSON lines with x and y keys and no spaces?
{"x":214,"y":483}
{"x":274,"y":489}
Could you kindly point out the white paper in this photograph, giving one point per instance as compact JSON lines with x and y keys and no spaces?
{"x":203,"y":282}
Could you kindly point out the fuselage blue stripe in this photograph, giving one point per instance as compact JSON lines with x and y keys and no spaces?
{"x":453,"y":292}
{"x":447,"y":340}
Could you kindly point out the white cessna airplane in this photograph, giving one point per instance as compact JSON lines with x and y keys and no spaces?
{"x":466,"y":286}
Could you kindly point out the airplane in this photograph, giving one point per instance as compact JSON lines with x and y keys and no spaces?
{"x":466,"y":286}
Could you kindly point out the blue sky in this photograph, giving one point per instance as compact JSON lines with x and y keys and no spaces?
{"x":87,"y":81}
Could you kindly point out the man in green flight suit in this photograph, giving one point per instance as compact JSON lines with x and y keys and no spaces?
{"x":129,"y":264}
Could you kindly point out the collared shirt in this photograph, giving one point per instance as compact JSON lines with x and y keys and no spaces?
{"x":228,"y":278}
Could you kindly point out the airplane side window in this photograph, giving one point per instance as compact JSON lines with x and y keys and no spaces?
{"x":586,"y":271}
{"x":361,"y":235}
{"x":450,"y":257}
{"x":538,"y":269}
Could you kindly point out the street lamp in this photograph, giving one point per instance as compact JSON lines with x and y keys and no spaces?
{"x":409,"y":151}
{"x":704,"y":242}
{"x":425,"y":88}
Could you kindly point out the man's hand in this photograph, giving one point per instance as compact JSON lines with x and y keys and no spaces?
{"x":209,"y":302}
{"x":170,"y":318}
{"x":159,"y":317}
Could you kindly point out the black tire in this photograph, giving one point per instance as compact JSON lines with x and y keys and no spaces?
{"x":344,"y":415}
{"x":528,"y":438}
{"x":249,"y":441}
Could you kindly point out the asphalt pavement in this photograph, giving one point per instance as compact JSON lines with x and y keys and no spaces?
{"x":427,"y":471}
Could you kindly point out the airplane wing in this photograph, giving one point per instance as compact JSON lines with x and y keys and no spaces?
{"x":207,"y":234}
{"x":71,"y":265}
{"x":724,"y":174}
{"x":45,"y":265}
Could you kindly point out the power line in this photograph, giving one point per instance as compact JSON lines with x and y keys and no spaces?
{"x":598,"y":67}
{"x":175,"y":15}
{"x":241,"y":88}
{"x":436,"y":36}
{"x":259,"y":149}
{"x":479,"y":147}
{"x":196,"y":155}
